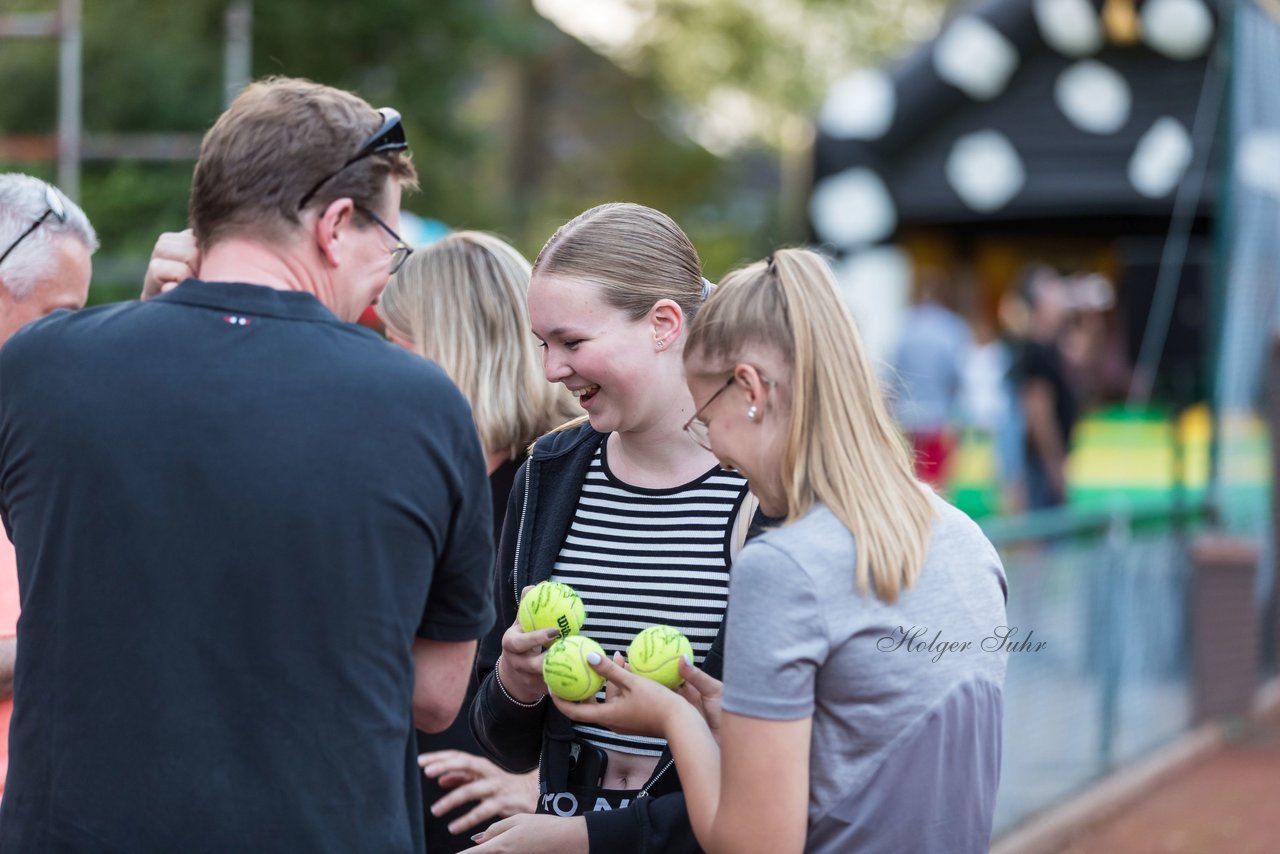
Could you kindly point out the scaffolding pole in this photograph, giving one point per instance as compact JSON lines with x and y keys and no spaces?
{"x":70,"y":50}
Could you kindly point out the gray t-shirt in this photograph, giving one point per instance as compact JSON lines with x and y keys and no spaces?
{"x":905,"y":752}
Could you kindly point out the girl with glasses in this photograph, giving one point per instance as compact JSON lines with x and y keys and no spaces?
{"x":625,"y":507}
{"x":862,"y":696}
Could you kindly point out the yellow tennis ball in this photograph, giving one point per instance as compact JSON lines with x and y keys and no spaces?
{"x":552,"y":605}
{"x":566,"y":671}
{"x":655,"y":654}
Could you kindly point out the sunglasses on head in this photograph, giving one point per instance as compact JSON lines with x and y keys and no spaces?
{"x":53,"y":208}
{"x":388,"y":137}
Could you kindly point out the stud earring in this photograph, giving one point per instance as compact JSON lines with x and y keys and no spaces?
{"x":752,"y":412}
{"x":660,"y":343}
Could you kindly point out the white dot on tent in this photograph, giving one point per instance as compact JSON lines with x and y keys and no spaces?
{"x":852,"y":208}
{"x":859,"y":106}
{"x":1179,"y":29}
{"x":876,"y":286}
{"x":985,"y":170}
{"x":974,"y":57}
{"x":1071,"y":27}
{"x":1160,"y":158}
{"x":1093,"y":97}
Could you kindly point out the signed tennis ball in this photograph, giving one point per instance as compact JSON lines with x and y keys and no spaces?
{"x":565,"y":668}
{"x":552,"y":605}
{"x":655,"y":654}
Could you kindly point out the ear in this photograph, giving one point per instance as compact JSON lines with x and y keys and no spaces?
{"x":667,"y":320}
{"x":752,"y":384}
{"x":332,"y":228}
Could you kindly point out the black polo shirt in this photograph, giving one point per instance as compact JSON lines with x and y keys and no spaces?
{"x":232,"y":513}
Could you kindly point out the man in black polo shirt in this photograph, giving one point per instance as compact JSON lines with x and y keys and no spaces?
{"x":253,"y":538}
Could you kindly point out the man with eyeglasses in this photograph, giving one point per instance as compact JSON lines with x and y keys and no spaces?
{"x":46,"y":243}
{"x":254,"y":538}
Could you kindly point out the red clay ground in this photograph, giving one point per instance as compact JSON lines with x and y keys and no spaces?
{"x":1228,"y":803}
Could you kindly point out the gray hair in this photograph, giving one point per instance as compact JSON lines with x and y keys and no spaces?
{"x":22,"y":202}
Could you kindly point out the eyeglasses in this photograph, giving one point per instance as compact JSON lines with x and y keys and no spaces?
{"x":388,"y":137}
{"x":697,"y":429}
{"x":401,"y":251}
{"x":53,"y":207}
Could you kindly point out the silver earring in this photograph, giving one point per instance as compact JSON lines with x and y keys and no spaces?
{"x":661,"y":343}
{"x":752,"y":412}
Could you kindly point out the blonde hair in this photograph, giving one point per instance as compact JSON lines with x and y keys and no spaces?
{"x":635,"y":254}
{"x":461,"y":302}
{"x":842,"y":448}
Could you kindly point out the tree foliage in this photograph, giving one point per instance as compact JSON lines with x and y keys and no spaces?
{"x":776,"y":56}
{"x":515,"y":126}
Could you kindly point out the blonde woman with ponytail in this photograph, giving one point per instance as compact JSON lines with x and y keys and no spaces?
{"x":862,"y":696}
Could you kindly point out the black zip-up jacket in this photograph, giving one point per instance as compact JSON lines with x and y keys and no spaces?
{"x":520,"y":738}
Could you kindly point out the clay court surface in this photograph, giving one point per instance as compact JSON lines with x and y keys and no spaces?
{"x":1226,"y":803}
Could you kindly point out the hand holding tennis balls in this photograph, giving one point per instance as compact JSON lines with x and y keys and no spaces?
{"x":567,"y":672}
{"x":519,"y":668}
{"x":552,"y":605}
{"x":636,"y":705}
{"x":655,"y":654}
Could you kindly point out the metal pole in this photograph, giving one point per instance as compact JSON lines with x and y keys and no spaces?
{"x":1271,"y":401}
{"x":1181,"y":220}
{"x":70,"y":49}
{"x":237,"y":65}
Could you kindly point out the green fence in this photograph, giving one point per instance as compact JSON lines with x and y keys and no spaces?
{"x":1107,"y":591}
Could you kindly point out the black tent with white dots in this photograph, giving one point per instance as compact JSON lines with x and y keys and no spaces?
{"x":1048,"y":119}
{"x":1026,"y":109}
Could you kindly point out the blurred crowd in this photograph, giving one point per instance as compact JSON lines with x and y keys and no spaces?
{"x":1018,"y":381}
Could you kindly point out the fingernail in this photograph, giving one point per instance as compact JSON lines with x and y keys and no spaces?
{"x":479,"y":837}
{"x":594,"y":658}
{"x":553,"y":634}
{"x":687,"y":660}
{"x":435,"y":810}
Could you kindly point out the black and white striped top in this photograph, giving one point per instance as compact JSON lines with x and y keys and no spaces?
{"x":640,"y":557}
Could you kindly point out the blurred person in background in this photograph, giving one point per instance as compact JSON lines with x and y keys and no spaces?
{"x":46,"y":244}
{"x":930,"y":355}
{"x":1047,"y":399}
{"x":461,"y":302}
{"x":1092,"y":346}
{"x":989,"y":405}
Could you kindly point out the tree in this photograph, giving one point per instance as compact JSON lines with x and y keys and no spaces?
{"x":515,"y":126}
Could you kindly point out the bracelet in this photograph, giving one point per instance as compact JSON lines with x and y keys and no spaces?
{"x":496,"y":678}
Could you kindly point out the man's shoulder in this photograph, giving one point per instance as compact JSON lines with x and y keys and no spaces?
{"x":400,"y":370}
{"x":64,"y":326}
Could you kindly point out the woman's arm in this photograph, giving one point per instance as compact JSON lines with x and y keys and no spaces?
{"x":763,"y":801}
{"x":749,"y":793}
